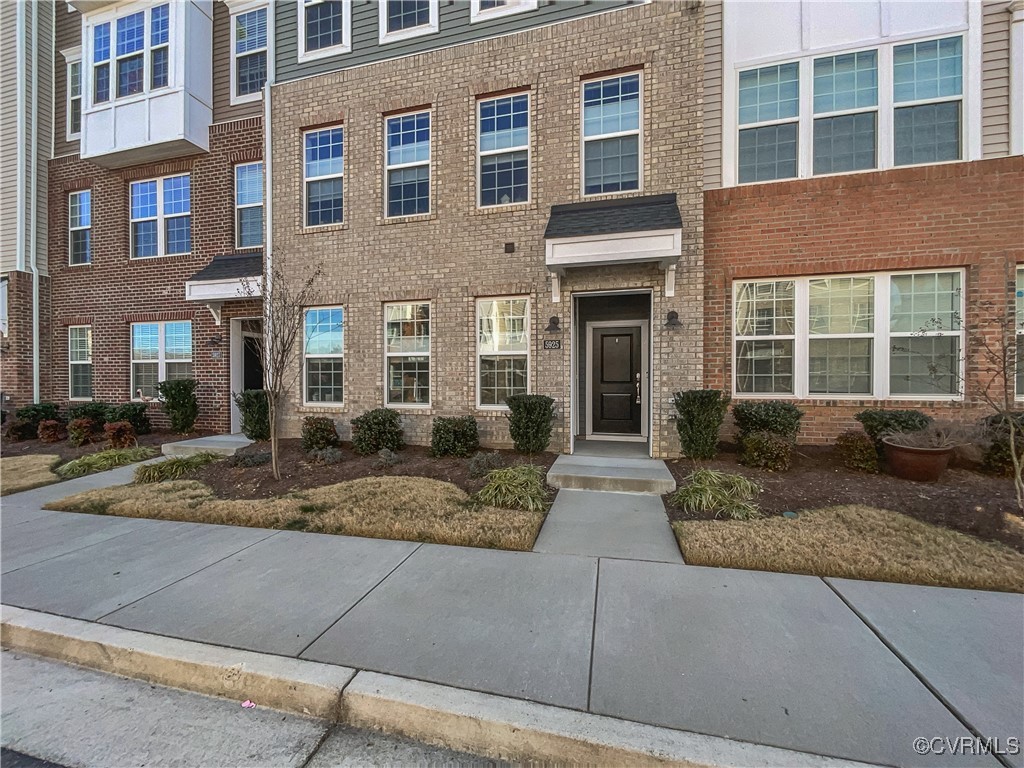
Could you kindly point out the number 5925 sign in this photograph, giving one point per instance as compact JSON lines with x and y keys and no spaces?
{"x":552,"y":343}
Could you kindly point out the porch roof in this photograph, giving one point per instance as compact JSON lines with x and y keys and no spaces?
{"x":231,"y":266}
{"x":606,"y":217}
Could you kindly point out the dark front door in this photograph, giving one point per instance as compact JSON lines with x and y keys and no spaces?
{"x":616,"y":389}
{"x":252,"y":362}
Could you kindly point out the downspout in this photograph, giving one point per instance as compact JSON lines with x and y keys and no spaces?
{"x":20,"y":260}
{"x":33,"y":161}
{"x":268,"y":174}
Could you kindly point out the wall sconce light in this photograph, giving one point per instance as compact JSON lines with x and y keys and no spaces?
{"x":673,"y":320}
{"x":215,"y":340}
{"x":553,"y":325}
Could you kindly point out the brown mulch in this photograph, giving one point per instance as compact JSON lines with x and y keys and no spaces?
{"x":67,"y":451}
{"x":964,"y":499}
{"x":298,"y":472}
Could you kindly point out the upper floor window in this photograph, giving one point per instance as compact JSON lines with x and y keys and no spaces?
{"x":407,"y":160}
{"x":139,"y":54}
{"x":161,"y":217}
{"x":325,"y":28}
{"x":248,"y":55}
{"x":611,"y":134}
{"x":402,"y":19}
{"x":74,"y":104}
{"x":324,"y":176}
{"x":101,"y":63}
{"x":484,"y":10}
{"x":159,"y":40}
{"x":249,"y":205}
{"x":853,"y":123}
{"x":80,"y":227}
{"x":504,"y":146}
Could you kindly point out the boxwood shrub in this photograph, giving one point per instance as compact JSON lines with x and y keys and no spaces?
{"x":376,"y":430}
{"x":180,"y":403}
{"x":96,"y":410}
{"x":699,"y":415}
{"x":255,"y":413}
{"x":775,"y":416}
{"x":530,"y":421}
{"x":878,"y":422}
{"x":318,"y":432}
{"x":766,"y":450}
{"x":454,"y":436}
{"x":857,"y":450}
{"x":134,"y":413}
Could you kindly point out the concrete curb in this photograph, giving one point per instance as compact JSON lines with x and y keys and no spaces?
{"x":481,"y":723}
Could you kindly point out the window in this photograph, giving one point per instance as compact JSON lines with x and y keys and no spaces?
{"x":161,"y":218}
{"x":324,"y":176}
{"x":249,"y":55}
{"x":928,"y":92}
{"x":503,"y":352}
{"x":140,"y":57}
{"x":504,"y":147}
{"x":407,"y":353}
{"x":326,"y":28}
{"x":101,"y":63}
{"x":80,"y":227}
{"x":324,"y":356}
{"x":3,"y":306}
{"x":249,"y":205}
{"x":131,"y":41}
{"x":769,"y":104}
{"x":611,"y":135}
{"x":160,"y":352}
{"x":80,"y":362}
{"x":402,"y":19}
{"x":484,"y":10}
{"x":845,"y":112}
{"x":407,"y":159}
{"x":1019,"y":307}
{"x":159,"y":32}
{"x":74,"y":106}
{"x":864,"y":336}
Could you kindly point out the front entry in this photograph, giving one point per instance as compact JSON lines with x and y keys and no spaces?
{"x":616,"y":399}
{"x":246,"y":361}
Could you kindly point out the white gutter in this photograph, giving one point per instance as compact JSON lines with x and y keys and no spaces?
{"x":19,"y":255}
{"x":268,"y":176}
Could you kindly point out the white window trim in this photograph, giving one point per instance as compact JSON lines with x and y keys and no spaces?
{"x":79,"y":229}
{"x":160,"y":218}
{"x":384,"y":36}
{"x":527,"y":323}
{"x":970,"y":116}
{"x":3,"y":305}
{"x":239,"y":208}
{"x":429,"y":354}
{"x":480,"y":154}
{"x":881,"y":346}
{"x":73,"y":363}
{"x":514,"y":6}
{"x":307,"y":179}
{"x":239,"y":10}
{"x":161,"y":359}
{"x":73,"y":56}
{"x":429,"y":163}
{"x":1018,"y":331}
{"x":306,"y":356}
{"x":639,"y":133}
{"x":321,"y":53}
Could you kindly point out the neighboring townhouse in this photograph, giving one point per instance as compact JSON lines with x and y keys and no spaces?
{"x":864,"y":212}
{"x":505,"y":197}
{"x":156,"y":199}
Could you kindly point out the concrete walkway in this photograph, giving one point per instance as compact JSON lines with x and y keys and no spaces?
{"x":222,"y":445}
{"x":854,"y":670}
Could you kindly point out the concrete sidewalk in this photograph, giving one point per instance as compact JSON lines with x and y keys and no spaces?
{"x":854,"y":670}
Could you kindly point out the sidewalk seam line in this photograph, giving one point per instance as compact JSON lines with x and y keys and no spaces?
{"x":357,"y":602}
{"x":79,"y":549}
{"x":319,"y":744}
{"x":593,"y":634}
{"x":914,"y":671}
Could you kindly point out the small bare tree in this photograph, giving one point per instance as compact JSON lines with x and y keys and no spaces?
{"x":286,"y":293}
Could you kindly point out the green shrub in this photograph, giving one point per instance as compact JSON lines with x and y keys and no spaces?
{"x":328,"y":455}
{"x":255,"y":412}
{"x":454,"y":436}
{"x":95,"y":410}
{"x":857,"y":451}
{"x":52,"y":431}
{"x":173,"y":469}
{"x":719,"y":493}
{"x":775,"y":416}
{"x":134,"y":413}
{"x":19,"y":429}
{"x":36,"y":413}
{"x":878,"y":422}
{"x":318,"y":432}
{"x":997,"y":457}
{"x":180,"y":403}
{"x":376,"y":430}
{"x":519,"y":487}
{"x":250,"y":459}
{"x":484,"y":462}
{"x":103,"y":461}
{"x":699,"y":415}
{"x":81,"y":430}
{"x":530,"y":420}
{"x":386,"y":458}
{"x":119,"y":434}
{"x":766,"y":450}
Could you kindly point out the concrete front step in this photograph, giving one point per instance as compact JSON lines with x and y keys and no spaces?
{"x":600,"y":473}
{"x":222,"y":445}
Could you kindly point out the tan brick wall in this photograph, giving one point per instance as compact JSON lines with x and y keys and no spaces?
{"x":456,"y":254}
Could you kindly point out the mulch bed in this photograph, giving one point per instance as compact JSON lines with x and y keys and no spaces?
{"x":963,"y":499}
{"x":67,"y":451}
{"x":299,"y":473}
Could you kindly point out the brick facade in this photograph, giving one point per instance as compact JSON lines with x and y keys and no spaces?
{"x":456,"y":253}
{"x":968,"y":215}
{"x":16,"y":346}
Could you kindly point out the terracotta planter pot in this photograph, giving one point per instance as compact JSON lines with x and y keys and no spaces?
{"x":924,"y":465}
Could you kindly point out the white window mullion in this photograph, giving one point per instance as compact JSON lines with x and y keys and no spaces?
{"x":801,"y":343}
{"x":805,"y":134}
{"x":882,"y":342}
{"x":886,"y":117}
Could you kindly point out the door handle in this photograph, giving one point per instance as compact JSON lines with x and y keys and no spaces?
{"x":638,"y":389}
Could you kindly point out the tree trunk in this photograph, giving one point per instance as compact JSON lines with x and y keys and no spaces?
{"x":1018,"y":481}
{"x":272,"y":409}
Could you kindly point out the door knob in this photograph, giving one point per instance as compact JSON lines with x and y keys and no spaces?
{"x":638,"y":389}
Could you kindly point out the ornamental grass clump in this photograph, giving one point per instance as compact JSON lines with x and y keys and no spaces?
{"x":718,"y":493}
{"x":103,"y":461}
{"x":519,"y":487}
{"x":173,"y":469}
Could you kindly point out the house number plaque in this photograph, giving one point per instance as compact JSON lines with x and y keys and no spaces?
{"x":552,"y":343}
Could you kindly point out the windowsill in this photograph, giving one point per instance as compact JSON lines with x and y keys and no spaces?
{"x":320,"y":228}
{"x":159,"y":256}
{"x":860,"y":172}
{"x":82,"y":264}
{"x":417,"y":408}
{"x":486,"y":210}
{"x":492,"y":408}
{"x":852,"y":399}
{"x":324,"y":53}
{"x":248,"y":248}
{"x":79,"y":399}
{"x":249,"y":98}
{"x":407,"y":34}
{"x":612,"y":195}
{"x":406,"y":219}
{"x":321,"y":408}
{"x":498,"y":13}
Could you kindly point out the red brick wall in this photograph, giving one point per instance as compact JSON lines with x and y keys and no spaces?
{"x":114,"y":291}
{"x":968,"y":215}
{"x":16,"y":346}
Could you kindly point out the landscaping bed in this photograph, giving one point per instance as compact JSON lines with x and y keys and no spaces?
{"x":66,"y":451}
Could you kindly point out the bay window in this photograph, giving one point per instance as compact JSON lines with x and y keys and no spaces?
{"x":131,"y":54}
{"x":503,"y":350}
{"x":324,"y":356}
{"x":407,"y":353}
{"x":160,"y":352}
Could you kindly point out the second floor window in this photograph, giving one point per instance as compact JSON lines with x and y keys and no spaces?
{"x":80,"y":227}
{"x":74,"y":99}
{"x":101,"y":63}
{"x":407,"y":158}
{"x":131,"y":42}
{"x":611,"y":134}
{"x":161,"y":217}
{"x":324,"y":173}
{"x":928,"y":97}
{"x":401,"y":19}
{"x":325,"y":27}
{"x":504,"y":145}
{"x":249,"y":205}
{"x":249,"y":54}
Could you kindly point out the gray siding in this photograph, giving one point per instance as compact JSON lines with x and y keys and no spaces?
{"x":223,"y":109}
{"x":68,"y":34}
{"x":713,"y":94}
{"x":8,"y":138}
{"x":995,"y":79}
{"x":454,"y":28}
